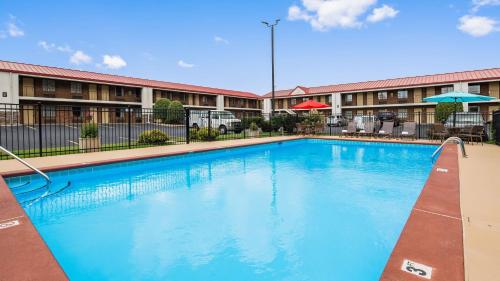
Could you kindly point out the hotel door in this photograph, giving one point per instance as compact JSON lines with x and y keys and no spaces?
{"x":104,"y":115}
{"x":92,"y":92}
{"x":104,"y":92}
{"x":28,"y":87}
{"x":28,"y":114}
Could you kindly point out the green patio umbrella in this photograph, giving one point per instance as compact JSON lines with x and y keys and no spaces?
{"x":458,"y":97}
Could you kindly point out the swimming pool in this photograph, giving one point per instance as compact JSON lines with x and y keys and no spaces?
{"x":297,"y":210}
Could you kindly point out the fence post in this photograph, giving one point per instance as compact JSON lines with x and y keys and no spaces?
{"x":419,"y":136}
{"x":188,"y":117}
{"x":40,"y":145}
{"x":129,"y":126}
{"x":245,"y":118}
{"x":209,"y":123}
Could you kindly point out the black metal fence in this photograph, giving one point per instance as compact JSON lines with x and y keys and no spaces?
{"x":496,"y":126}
{"x":46,"y":129}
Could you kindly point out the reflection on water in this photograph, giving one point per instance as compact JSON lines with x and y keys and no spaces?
{"x":306,"y":210}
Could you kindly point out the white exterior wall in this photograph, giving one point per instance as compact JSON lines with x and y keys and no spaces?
{"x":9,"y":87}
{"x":462,"y":87}
{"x":266,"y":106}
{"x":220,"y":102}
{"x":147,"y":98}
{"x":336,"y":104}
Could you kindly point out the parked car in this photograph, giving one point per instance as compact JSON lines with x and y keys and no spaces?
{"x":222,"y":120}
{"x":388,"y":116}
{"x":336,"y":121}
{"x":361,"y":120}
{"x":464,"y":120}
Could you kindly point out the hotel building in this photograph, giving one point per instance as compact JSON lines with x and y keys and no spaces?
{"x":28,"y":85}
{"x":401,"y":95}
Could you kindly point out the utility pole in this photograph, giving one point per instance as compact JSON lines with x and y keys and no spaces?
{"x":272,"y":61}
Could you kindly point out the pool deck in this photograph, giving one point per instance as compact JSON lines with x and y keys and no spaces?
{"x":433,"y":234}
{"x":480,"y":201}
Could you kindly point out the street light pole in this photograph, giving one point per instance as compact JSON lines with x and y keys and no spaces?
{"x":272,"y":61}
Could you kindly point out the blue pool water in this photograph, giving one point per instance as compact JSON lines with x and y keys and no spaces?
{"x":299,"y":210}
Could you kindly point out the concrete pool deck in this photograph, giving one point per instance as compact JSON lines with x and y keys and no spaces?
{"x":480,"y":202}
{"x":36,"y":259}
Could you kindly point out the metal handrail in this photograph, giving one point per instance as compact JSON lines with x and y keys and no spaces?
{"x":26,"y":164}
{"x":458,"y":141}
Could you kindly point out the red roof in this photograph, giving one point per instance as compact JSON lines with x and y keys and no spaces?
{"x":64,"y":73}
{"x":446,"y":78}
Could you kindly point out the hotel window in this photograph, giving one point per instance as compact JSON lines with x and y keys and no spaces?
{"x":402,"y":113}
{"x":474,"y":108}
{"x":48,"y":85}
{"x":475,"y":89}
{"x":402,"y":94}
{"x":382,"y":95}
{"x":348,"y":98}
{"x":77,"y":112}
{"x":293,"y":101}
{"x":204,"y":100}
{"x":120,"y":112}
{"x":329,"y":99}
{"x":305,"y":99}
{"x":49,"y":111}
{"x":118,"y":91}
{"x":348,"y":115}
{"x":446,"y":89}
{"x":76,"y":88}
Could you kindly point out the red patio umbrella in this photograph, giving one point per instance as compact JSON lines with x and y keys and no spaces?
{"x":310,"y":104}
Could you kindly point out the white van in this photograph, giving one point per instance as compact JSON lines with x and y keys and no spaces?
{"x":222,"y":120}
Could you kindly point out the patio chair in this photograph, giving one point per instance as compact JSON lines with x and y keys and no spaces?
{"x":409,"y":130}
{"x":437,"y":131}
{"x":300,"y":129}
{"x":351,"y":129}
{"x":318,"y":128}
{"x":386,"y":130}
{"x":368,"y":130}
{"x":472,"y":133}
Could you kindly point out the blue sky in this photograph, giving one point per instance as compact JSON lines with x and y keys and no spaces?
{"x":223,"y":43}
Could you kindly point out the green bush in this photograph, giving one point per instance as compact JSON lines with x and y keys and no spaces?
{"x":259,"y":120}
{"x":203,"y":134}
{"x":444,"y":109}
{"x":287,"y":121}
{"x":89,"y":130}
{"x":153,"y":137}
{"x":160,"y":109}
{"x":176,"y":113}
{"x":312,"y":119}
{"x":254,"y":127}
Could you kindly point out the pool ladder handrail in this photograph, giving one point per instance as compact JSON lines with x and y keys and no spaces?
{"x":457,"y":140}
{"x":25,"y":163}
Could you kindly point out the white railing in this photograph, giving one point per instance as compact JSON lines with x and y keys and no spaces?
{"x":25,"y":163}
{"x":455,"y":139}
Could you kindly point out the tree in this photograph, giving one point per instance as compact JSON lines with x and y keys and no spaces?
{"x":160,"y":109}
{"x":444,"y":109}
{"x":176,"y":112}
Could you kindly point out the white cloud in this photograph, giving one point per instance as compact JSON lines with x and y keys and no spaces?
{"x":382,"y":13}
{"x":326,"y":14}
{"x":14,"y":30}
{"x":477,"y":26}
{"x":53,"y":47}
{"x":113,"y":61}
{"x":219,"y":39}
{"x":80,"y":57}
{"x":184,"y":64}
{"x":477,"y":4}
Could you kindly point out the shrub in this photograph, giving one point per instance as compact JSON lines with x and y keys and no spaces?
{"x":176,"y":113}
{"x":160,"y":109}
{"x":444,"y":109}
{"x":254,"y":127}
{"x":89,"y":130}
{"x":286,"y":121}
{"x":203,"y":134}
{"x":312,"y":118}
{"x":153,"y":137}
